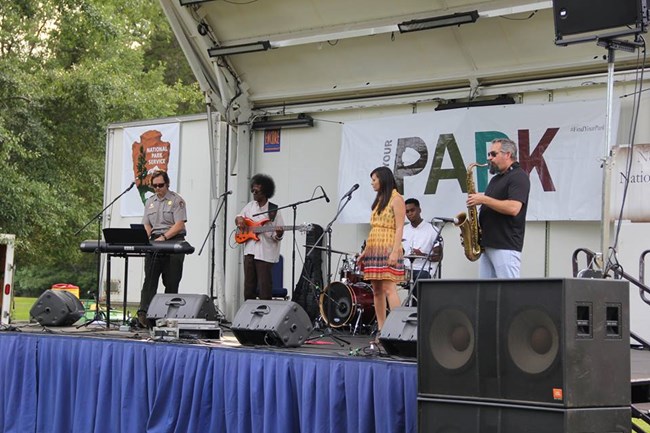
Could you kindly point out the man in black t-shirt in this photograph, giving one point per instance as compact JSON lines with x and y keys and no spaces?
{"x":503,"y":212}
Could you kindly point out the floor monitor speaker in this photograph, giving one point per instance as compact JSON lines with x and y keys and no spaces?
{"x":181,"y":306}
{"x":400,"y":332}
{"x":555,"y":342}
{"x":271,"y":323}
{"x":448,"y":416}
{"x":57,"y":308}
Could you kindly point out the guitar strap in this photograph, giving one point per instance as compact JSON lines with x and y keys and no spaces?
{"x":272,"y":211}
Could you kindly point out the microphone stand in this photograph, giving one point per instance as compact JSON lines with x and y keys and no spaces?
{"x":328,"y":330}
{"x":96,"y":294}
{"x":441,"y":241}
{"x":294,"y":206}
{"x":212,"y":230}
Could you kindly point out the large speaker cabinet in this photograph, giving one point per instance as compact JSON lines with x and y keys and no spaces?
{"x":446,"y":416}
{"x":574,"y":17}
{"x":272,"y":323}
{"x":548,"y":342}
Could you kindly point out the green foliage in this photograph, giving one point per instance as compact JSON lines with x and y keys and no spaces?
{"x":69,"y":68}
{"x":34,"y":280}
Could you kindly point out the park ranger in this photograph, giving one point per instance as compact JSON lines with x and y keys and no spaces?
{"x":164,"y":219}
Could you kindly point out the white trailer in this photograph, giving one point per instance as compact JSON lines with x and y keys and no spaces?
{"x":7,"y":244}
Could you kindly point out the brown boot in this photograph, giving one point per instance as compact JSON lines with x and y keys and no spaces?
{"x":142,"y":319}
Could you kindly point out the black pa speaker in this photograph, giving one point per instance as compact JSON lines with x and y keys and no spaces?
{"x":573,"y":17}
{"x":273,"y":323}
{"x":57,"y":308}
{"x":181,"y":306}
{"x":456,"y":416}
{"x":399,"y":336}
{"x":554,"y":342}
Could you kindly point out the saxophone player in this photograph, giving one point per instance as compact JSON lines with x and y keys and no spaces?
{"x":502,"y":217}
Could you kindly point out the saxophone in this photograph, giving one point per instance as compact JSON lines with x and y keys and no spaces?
{"x":470,"y":232}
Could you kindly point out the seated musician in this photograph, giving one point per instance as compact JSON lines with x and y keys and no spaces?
{"x":419,"y":240}
{"x":262,"y":250}
{"x":164,"y":219}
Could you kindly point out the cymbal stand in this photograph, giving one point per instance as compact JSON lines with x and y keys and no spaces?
{"x":412,"y":282}
{"x":411,"y":285}
{"x":328,"y":329}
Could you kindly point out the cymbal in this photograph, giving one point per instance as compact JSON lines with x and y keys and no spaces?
{"x":318,"y":247}
{"x":415,"y":256}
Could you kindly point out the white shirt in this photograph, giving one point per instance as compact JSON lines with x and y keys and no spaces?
{"x":423,"y":238}
{"x":267,"y":248}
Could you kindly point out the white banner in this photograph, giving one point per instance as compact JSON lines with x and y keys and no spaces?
{"x":145,"y":150}
{"x":561,"y":146}
{"x":637,"y":205}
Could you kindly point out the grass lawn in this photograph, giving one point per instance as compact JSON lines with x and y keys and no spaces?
{"x":21,"y":307}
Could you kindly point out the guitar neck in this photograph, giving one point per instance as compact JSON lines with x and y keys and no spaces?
{"x":268,"y":228}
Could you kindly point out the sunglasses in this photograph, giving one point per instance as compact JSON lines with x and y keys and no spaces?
{"x":494,"y":153}
{"x":157,"y":185}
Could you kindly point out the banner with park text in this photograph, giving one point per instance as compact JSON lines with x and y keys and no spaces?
{"x":560,"y":145}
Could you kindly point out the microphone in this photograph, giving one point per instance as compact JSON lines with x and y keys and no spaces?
{"x":131,"y":186}
{"x":226,"y":193}
{"x":353,"y":189}
{"x":447,"y":219}
{"x":327,"y":199}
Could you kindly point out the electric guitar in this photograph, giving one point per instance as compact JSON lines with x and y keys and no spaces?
{"x":255,"y":227}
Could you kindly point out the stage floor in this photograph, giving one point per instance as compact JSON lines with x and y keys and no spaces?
{"x":322,"y":342}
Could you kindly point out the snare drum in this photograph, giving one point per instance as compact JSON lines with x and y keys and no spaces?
{"x":340,"y":303}
{"x":351,"y":277}
{"x":351,"y":272}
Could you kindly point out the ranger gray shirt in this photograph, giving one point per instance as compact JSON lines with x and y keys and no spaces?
{"x":162,"y":213}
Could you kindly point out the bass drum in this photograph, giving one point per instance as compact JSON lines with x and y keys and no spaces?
{"x":341,"y":303}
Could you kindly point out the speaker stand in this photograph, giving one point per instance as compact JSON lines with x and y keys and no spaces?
{"x":98,"y":314}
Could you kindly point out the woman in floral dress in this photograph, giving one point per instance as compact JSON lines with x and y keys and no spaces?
{"x":383,"y":257}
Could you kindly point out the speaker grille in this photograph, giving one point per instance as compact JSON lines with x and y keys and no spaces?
{"x":533,"y":341}
{"x":451,"y":339}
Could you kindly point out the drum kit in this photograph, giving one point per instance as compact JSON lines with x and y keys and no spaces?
{"x":349,"y":303}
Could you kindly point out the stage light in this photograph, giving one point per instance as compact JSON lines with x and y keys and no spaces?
{"x":239,"y":49}
{"x":302,"y":121}
{"x":192,"y":2}
{"x":436,"y":22}
{"x":501,"y":100}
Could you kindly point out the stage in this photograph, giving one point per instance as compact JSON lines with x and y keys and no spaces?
{"x":94,"y":380}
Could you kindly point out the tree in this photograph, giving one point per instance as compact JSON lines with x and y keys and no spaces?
{"x":67,"y":70}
